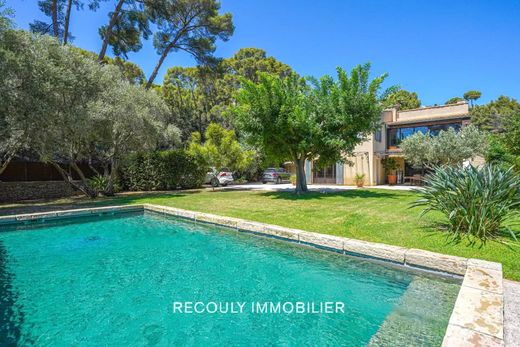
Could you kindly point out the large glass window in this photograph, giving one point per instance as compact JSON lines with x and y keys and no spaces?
{"x":396,"y":135}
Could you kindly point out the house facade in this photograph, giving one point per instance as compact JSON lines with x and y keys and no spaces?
{"x":396,"y":125}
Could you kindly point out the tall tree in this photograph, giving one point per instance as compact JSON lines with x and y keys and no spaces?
{"x":220,"y":149}
{"x":196,"y":97}
{"x":201,"y":95}
{"x":494,"y":115}
{"x":248,"y":62}
{"x":131,"y":71}
{"x":192,"y":26}
{"x":471,"y":96}
{"x":54,"y":9}
{"x":511,"y":136}
{"x":323,"y":121}
{"x":6,"y":15}
{"x":127,"y":23}
{"x":454,"y":100}
{"x":404,"y":99}
{"x":60,"y":13}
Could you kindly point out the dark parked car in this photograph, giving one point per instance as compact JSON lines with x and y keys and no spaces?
{"x":275,"y":175}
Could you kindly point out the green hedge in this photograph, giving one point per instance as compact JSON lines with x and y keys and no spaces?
{"x":163,"y":170}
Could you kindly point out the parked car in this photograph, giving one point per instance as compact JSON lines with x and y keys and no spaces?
{"x":216,"y":178}
{"x":275,"y":175}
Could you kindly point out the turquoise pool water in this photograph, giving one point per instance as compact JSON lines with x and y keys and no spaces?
{"x":112,"y":281}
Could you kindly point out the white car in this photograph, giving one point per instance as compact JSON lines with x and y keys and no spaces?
{"x":220,"y":178}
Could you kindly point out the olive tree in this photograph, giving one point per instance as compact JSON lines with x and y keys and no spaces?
{"x":297,"y":119}
{"x":66,"y":137}
{"x":63,"y":107}
{"x":127,"y":118}
{"x":27,"y":93}
{"x":447,"y":148}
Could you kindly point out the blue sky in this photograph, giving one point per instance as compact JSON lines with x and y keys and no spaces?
{"x":439,"y":49}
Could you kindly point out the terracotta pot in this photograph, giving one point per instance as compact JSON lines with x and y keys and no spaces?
{"x":360,"y":184}
{"x":392,"y":179}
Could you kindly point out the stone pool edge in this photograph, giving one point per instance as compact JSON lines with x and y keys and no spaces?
{"x":477,"y":317}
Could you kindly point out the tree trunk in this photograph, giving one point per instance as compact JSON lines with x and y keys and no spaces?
{"x":54,"y":10}
{"x":67,"y":21}
{"x":94,"y":170}
{"x":67,"y":177}
{"x":108,"y":32}
{"x":3,"y":165}
{"x":157,"y":67}
{"x":301,"y":182}
{"x":109,"y":189}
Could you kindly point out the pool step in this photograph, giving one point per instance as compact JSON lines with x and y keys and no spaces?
{"x":414,"y":318}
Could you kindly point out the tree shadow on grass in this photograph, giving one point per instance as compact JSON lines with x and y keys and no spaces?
{"x":358,"y":193}
{"x":434,"y":228}
{"x":83,"y":202}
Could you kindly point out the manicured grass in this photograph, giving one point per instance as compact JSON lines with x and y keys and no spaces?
{"x":371,"y":214}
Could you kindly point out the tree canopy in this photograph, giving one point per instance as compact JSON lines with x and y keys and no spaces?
{"x":127,"y":24}
{"x":248,"y":62}
{"x":454,"y":100}
{"x":199,"y":95}
{"x":65,"y":107}
{"x":192,"y":26}
{"x":59,"y":12}
{"x":447,"y":148}
{"x":295,"y":119}
{"x":6,"y":16}
{"x":404,"y":99}
{"x":221,"y":149}
{"x":494,"y":115}
{"x":472,"y":95}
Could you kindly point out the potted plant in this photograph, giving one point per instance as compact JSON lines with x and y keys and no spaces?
{"x":390,"y":165}
{"x":293,"y":180}
{"x":360,"y":180}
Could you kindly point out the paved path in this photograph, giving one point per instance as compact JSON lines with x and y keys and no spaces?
{"x":512,"y":313}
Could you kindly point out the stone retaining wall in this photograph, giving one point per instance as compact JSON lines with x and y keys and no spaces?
{"x":19,"y":191}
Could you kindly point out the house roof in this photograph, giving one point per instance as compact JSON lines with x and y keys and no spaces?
{"x":433,"y":119}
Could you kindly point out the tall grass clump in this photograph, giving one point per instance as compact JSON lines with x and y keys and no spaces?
{"x":479,"y":203}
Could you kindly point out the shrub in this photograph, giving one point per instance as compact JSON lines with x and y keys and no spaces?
{"x":143,"y":171}
{"x":100,"y":183}
{"x":162,"y":170}
{"x":390,"y":164}
{"x":182,"y":170}
{"x":477,"y":202}
{"x":360,"y":179}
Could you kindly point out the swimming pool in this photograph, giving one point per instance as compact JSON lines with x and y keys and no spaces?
{"x":115,"y":280}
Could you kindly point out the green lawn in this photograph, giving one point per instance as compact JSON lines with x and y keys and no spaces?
{"x":371,"y":214}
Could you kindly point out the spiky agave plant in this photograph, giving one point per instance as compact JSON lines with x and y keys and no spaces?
{"x":478,"y":203}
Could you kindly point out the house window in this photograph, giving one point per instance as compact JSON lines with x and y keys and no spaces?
{"x":396,"y":135}
{"x":378,"y":136}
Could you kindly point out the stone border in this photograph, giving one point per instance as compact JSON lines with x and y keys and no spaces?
{"x":80,"y":212}
{"x":478,"y":316}
{"x":476,"y":320}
